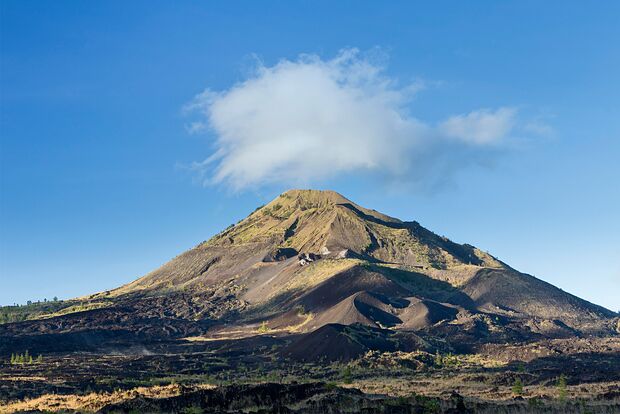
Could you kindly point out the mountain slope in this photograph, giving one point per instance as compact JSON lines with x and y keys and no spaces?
{"x":318,"y":251}
{"x":313,"y":258}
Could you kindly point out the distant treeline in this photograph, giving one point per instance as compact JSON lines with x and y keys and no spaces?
{"x":18,"y":313}
{"x":30,"y":302}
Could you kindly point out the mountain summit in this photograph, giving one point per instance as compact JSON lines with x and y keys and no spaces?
{"x":314,"y":224}
{"x":309,"y":259}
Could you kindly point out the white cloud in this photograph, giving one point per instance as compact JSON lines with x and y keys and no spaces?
{"x":306,"y":120}
{"x":483,"y":126}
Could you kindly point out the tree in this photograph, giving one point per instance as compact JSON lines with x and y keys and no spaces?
{"x":438,"y":360}
{"x":562,"y":388}
{"x":39,"y":359}
{"x":55,"y":298}
{"x":346,"y":375}
{"x":12,"y":359}
{"x":517,"y":387}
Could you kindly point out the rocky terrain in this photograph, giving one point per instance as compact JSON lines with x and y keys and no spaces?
{"x":333,"y":305}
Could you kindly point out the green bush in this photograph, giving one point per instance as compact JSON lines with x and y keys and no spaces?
{"x":562,"y":388}
{"x":347,"y":376}
{"x":517,"y":387}
{"x":431,"y":406}
{"x":263,"y":327}
{"x":535,"y":402}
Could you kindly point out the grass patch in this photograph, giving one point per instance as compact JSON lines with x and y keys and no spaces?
{"x":80,"y":307}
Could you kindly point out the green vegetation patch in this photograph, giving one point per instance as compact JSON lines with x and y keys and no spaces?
{"x":32,"y":310}
{"x":43,"y":310}
{"x":80,"y":307}
{"x":25,"y":358}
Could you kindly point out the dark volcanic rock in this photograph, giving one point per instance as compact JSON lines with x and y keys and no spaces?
{"x":271,"y":398}
{"x":335,"y":342}
{"x":311,"y":398}
{"x":279,"y":254}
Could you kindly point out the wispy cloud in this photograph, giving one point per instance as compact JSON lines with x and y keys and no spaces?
{"x":539,"y":128}
{"x":310,"y":119}
{"x":480,"y":127}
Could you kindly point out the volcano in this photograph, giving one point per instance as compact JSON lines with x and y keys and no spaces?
{"x":310,"y":288}
{"x":312,"y":259}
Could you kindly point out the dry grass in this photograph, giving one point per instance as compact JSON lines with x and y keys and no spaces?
{"x":299,"y":327}
{"x":81,"y":307}
{"x":93,"y":401}
{"x":23,"y":378}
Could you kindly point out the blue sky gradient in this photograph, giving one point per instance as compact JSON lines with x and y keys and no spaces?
{"x":93,"y":193}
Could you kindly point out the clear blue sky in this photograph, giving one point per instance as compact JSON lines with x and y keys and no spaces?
{"x":93,"y":131}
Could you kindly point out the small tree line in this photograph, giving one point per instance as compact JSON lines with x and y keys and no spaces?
{"x":25,"y":358}
{"x":36,"y":302}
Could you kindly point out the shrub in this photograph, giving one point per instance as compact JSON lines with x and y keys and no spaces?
{"x":331,"y":386}
{"x":263,"y":327}
{"x":431,"y":406}
{"x":446,"y":360}
{"x":517,"y":387}
{"x":535,"y":402}
{"x":562,"y":388}
{"x":346,"y":375}
{"x":301,"y":311}
{"x":438,"y":360}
